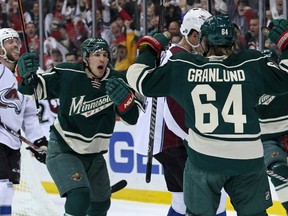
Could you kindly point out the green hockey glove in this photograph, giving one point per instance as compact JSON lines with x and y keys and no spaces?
{"x":277,"y":32}
{"x":28,"y":64}
{"x":157,"y":42}
{"x":120,"y":94}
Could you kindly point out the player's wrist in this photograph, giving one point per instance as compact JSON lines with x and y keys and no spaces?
{"x":283,"y":41}
{"x":127,"y":103}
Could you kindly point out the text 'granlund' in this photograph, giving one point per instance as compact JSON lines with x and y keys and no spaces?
{"x":215,"y":75}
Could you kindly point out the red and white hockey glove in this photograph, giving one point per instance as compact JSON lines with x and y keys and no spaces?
{"x":120,"y":94}
{"x":277,"y":32}
{"x":157,"y":42}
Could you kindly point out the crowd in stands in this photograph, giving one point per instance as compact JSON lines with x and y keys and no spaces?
{"x":67,"y":23}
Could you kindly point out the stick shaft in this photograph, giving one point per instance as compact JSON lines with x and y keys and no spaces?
{"x":19,"y":136}
{"x":154,"y":106}
{"x":21,"y":14}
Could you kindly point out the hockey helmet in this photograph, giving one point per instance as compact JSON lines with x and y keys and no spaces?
{"x":8,"y":33}
{"x":93,"y":44}
{"x":219,"y":31}
{"x":193,"y":19}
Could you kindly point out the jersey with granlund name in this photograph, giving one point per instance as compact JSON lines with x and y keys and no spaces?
{"x":86,"y":116}
{"x":218,"y":95}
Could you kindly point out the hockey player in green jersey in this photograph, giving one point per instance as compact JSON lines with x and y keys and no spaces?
{"x":218,"y":94}
{"x":273,"y":117}
{"x":85,"y":122}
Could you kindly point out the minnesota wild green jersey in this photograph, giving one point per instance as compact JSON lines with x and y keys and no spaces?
{"x":273,"y":116}
{"x":218,"y":95}
{"x":86,"y":116}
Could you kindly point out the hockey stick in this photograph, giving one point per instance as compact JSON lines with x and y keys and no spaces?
{"x":27,"y":49}
{"x":154,"y":107}
{"x":277,"y":176}
{"x":209,"y":6}
{"x":118,"y":186}
{"x":19,"y":136}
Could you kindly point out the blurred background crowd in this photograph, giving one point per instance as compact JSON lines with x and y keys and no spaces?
{"x":56,"y":28}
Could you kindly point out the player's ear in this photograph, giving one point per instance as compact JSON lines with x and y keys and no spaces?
{"x":2,"y":52}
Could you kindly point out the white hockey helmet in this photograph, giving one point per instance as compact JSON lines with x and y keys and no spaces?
{"x":8,"y":33}
{"x":193,"y":19}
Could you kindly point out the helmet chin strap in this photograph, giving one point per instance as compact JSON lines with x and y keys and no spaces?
{"x":90,"y":71}
{"x":193,"y":46}
{"x":4,"y":56}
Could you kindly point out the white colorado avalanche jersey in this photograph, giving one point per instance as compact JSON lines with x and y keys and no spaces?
{"x":17,"y":111}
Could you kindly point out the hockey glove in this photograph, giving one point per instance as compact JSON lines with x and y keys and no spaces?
{"x":28,"y":64}
{"x":120,"y":94}
{"x":157,"y":42}
{"x":40,"y":154}
{"x":277,"y":32}
{"x":42,"y":144}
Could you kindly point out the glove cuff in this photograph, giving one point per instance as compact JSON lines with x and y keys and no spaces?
{"x":283,"y":40}
{"x":127,"y":103}
{"x":150,"y":41}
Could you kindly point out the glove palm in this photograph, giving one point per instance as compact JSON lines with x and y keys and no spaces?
{"x":28,"y":64}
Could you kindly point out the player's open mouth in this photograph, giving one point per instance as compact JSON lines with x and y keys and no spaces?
{"x":100,"y":67}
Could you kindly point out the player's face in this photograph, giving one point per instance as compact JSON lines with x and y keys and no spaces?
{"x":98,"y":62}
{"x":12,"y":47}
{"x":194,"y":40}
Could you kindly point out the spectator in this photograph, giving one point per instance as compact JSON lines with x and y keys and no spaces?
{"x":242,"y":16}
{"x":172,"y":13}
{"x":223,"y":9}
{"x":3,"y":20}
{"x":252,"y":36}
{"x":174,"y":28}
{"x":71,"y":57}
{"x":176,"y":39}
{"x":54,"y":15}
{"x":33,"y":15}
{"x":32,"y":38}
{"x":13,"y":15}
{"x":126,"y":53}
{"x":277,"y":9}
{"x":268,"y":17}
{"x":240,"y":41}
{"x":57,"y":57}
